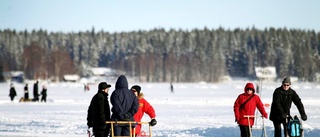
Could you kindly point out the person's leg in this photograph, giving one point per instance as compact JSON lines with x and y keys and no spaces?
{"x":117,"y":130}
{"x":277,"y":129}
{"x":106,"y":132}
{"x":126,"y":131}
{"x":285,"y":128}
{"x":97,"y":132}
{"x":244,"y":131}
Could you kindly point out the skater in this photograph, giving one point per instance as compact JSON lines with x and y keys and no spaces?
{"x":12,"y":92}
{"x":144,"y":107}
{"x":283,"y":97}
{"x":44,"y":93}
{"x":245,"y":105}
{"x":124,"y":106}
{"x":36,"y":92}
{"x":26,"y":92}
{"x":99,"y":111}
{"x":171,"y":87}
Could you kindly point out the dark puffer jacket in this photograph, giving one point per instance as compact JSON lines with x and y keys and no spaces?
{"x":99,"y":112}
{"x":281,"y":104}
{"x":124,"y":102}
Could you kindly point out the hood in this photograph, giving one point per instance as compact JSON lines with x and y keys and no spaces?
{"x":122,"y":82}
{"x":140,"y":96}
{"x":249,"y":85}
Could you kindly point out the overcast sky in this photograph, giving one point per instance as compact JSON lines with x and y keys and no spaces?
{"x":133,"y":15}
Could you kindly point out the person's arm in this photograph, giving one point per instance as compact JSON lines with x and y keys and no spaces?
{"x":89,"y":117}
{"x":100,"y":107}
{"x":297,"y":101}
{"x":260,"y":107}
{"x":236,"y":108}
{"x":135,"y":106}
{"x":116,"y":108}
{"x":148,"y":109}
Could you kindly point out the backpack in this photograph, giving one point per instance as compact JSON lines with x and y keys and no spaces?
{"x":295,"y":127}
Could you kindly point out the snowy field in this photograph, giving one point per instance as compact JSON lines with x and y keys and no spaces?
{"x":193,"y":110}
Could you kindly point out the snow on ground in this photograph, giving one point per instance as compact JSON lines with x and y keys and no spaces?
{"x":193,"y":110}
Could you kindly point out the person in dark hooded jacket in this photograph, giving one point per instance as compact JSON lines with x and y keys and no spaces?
{"x":99,"y":111}
{"x":245,"y":105}
{"x":283,"y":97}
{"x":124,"y":106}
{"x":12,"y":92}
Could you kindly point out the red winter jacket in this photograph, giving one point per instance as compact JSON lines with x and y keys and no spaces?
{"x":144,"y":107}
{"x":249,"y":108}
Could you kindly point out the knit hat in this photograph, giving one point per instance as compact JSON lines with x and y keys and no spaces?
{"x":103,"y":85}
{"x":286,"y":80}
{"x":137,"y":88}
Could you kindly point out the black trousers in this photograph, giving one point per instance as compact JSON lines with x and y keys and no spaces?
{"x":245,"y":131}
{"x":101,"y":132}
{"x":121,"y":131}
{"x":277,"y":128}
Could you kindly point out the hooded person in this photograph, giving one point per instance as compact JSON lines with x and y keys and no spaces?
{"x":245,"y":105}
{"x":99,"y":111}
{"x":144,"y":107}
{"x":124,"y":106}
{"x":12,"y":92}
{"x":282,"y":99}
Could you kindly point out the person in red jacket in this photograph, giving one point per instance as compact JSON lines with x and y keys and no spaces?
{"x":144,"y":107}
{"x":245,"y":105}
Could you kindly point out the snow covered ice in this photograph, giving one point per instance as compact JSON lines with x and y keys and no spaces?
{"x":193,"y":110}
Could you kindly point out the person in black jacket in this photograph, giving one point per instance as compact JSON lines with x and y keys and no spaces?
{"x":26,"y":92}
{"x":280,"y":108}
{"x":44,"y":93}
{"x":124,"y":106}
{"x":12,"y":92}
{"x":36,"y":91}
{"x":99,"y":111}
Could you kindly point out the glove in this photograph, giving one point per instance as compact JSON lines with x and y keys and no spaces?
{"x":304,"y":117}
{"x":236,"y":119}
{"x":153,"y":122}
{"x":284,"y":116}
{"x":266,"y":116}
{"x":126,"y":117}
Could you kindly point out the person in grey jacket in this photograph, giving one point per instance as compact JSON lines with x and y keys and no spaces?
{"x":283,"y":97}
{"x":124,"y":106}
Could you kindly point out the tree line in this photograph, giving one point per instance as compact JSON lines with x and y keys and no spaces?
{"x":161,"y":55}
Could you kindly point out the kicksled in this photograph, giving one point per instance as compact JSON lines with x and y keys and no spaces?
{"x":132,"y":130}
{"x":264,"y":132}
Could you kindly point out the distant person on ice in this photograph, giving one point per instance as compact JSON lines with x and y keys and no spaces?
{"x":12,"y":92}
{"x":26,"y":92}
{"x":144,"y":107}
{"x":44,"y":93}
{"x":124,"y":106}
{"x":99,"y":111}
{"x":36,"y":92}
{"x":282,"y":99}
{"x":86,"y":87}
{"x":171,"y":87}
{"x":246,"y":104}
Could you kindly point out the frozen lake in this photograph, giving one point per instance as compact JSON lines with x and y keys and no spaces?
{"x":194,"y":109}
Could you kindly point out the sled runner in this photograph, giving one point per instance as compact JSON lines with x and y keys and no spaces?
{"x":295,"y":127}
{"x":264,"y":132}
{"x":131,"y":123}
